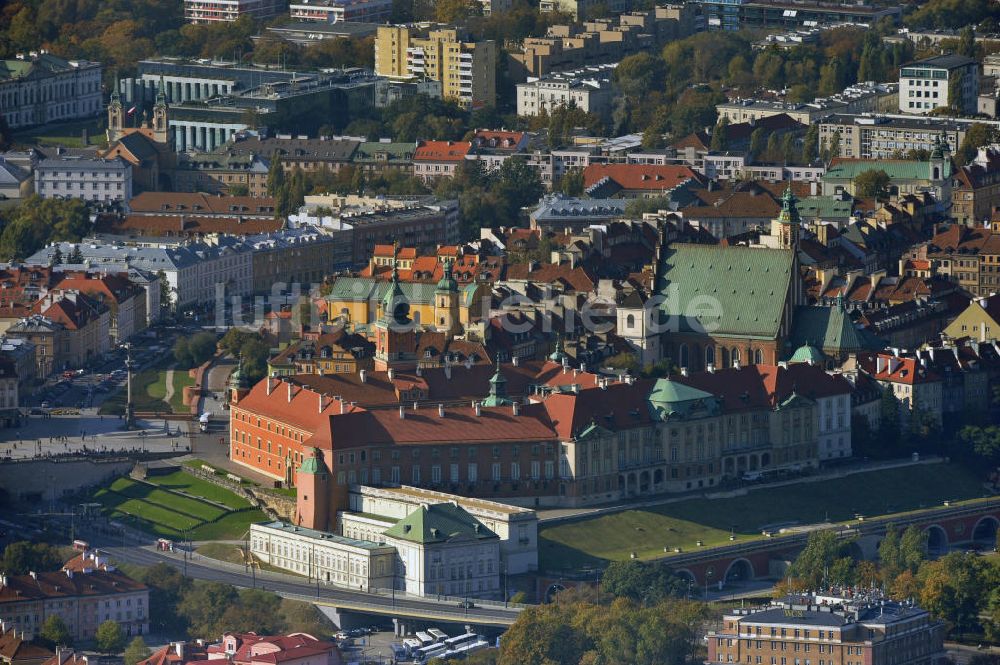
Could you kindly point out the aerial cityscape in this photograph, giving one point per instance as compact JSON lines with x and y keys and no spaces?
{"x":499,"y":332}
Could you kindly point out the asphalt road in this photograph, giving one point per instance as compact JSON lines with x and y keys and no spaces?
{"x":353,"y":600}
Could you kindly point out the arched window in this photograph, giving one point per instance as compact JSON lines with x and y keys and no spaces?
{"x":735,"y":356}
{"x":709,"y":355}
{"x":630,"y":321}
{"x":758,"y":357}
{"x":682,"y":354}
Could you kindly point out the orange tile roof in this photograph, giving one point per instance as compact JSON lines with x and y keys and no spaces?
{"x":441,"y":151}
{"x":640,"y":176}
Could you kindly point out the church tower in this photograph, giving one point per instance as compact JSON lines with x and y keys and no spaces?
{"x":446,"y":302}
{"x":116,"y":116}
{"x":161,"y":118}
{"x":395,"y":338}
{"x":788,"y":224}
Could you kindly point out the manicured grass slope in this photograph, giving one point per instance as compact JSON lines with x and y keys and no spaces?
{"x":167,"y":514}
{"x":646,"y":532}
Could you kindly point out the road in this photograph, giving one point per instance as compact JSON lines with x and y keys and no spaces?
{"x":373,"y":603}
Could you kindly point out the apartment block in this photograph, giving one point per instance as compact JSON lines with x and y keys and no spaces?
{"x":590,"y":91}
{"x":218,"y":11}
{"x":466,"y":70}
{"x":941,"y":81}
{"x":882,"y":137}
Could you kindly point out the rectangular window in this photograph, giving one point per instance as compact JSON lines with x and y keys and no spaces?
{"x":496,"y":472}
{"x":515,"y":471}
{"x":453,"y":473}
{"x":436,"y":473}
{"x":473,"y":472}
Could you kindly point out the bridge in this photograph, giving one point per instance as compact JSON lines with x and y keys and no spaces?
{"x":398,"y":605}
{"x":969,"y":523}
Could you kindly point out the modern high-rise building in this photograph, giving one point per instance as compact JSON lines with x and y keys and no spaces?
{"x":335,"y":11}
{"x":466,"y":70}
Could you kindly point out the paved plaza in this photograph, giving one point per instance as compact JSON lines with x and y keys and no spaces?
{"x":44,"y":436}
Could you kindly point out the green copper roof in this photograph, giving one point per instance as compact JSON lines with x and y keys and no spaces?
{"x":747,"y":284}
{"x":789,"y":213}
{"x":437,"y":523}
{"x":669,"y":398}
{"x":557,"y":355}
{"x":896,"y":169}
{"x":830,"y":329}
{"x":807,"y":354}
{"x":498,"y":389}
{"x":825,"y":207}
{"x":360,"y":289}
{"x":447,"y":282}
{"x":313,"y":463}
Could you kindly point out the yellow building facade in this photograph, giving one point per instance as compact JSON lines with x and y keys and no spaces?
{"x":465,"y":70}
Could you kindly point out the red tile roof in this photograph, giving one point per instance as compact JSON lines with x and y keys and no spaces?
{"x":13,"y":648}
{"x":766,"y":386}
{"x":645,"y":177}
{"x":894,"y":369}
{"x":424,"y":427}
{"x":441,"y":151}
{"x":175,"y":203}
{"x":66,"y":584}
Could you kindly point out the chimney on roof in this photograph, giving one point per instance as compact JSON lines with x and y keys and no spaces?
{"x":516,"y":361}
{"x":880,"y":363}
{"x":268,"y":385}
{"x":402,"y":412}
{"x":179,"y":649}
{"x":33,"y":574}
{"x":782,"y":364}
{"x":447,"y":371}
{"x":583,"y":367}
{"x":516,"y":407}
{"x":343,"y":407}
{"x":390,"y":373}
{"x":419,"y":371}
{"x":289,"y":392}
{"x":440,"y":410}
{"x":684,"y":371}
{"x":478,"y":408}
{"x":364,"y":375}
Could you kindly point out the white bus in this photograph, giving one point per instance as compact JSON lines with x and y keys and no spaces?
{"x":428,"y":652}
{"x":438,"y":635}
{"x":455,"y":642}
{"x":424,"y":638}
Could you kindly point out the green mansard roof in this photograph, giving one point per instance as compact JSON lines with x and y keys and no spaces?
{"x":437,"y":523}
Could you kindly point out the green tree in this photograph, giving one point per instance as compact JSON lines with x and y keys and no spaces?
{"x":57,"y":257}
{"x":255,"y":610}
{"x":572,"y":183}
{"x":812,"y":566}
{"x":136,"y":651}
{"x":165,"y":292}
{"x":719,"y":136}
{"x":22,"y":557}
{"x":758,"y":141}
{"x":275,"y":176}
{"x":204,"y":605}
{"x":810,"y":144}
{"x":55,"y":633}
{"x":166,"y":587}
{"x":889,"y":421}
{"x":641,"y":582}
{"x":873,"y":183}
{"x":954,"y":588}
{"x":976,"y":136}
{"x":109,"y":637}
{"x":967,"y":42}
{"x":75,"y":256}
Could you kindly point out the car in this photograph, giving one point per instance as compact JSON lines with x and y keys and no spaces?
{"x":46,"y":405}
{"x":466,"y":604}
{"x":357,"y":632}
{"x":341,"y":635}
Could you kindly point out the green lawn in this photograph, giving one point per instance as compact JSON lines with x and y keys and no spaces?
{"x":149,"y":388}
{"x":181,"y":379}
{"x":67,"y":134}
{"x":647,"y":531}
{"x":185,"y":482}
{"x":167,"y":514}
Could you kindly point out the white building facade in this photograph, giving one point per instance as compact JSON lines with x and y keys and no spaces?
{"x":98,"y":180}
{"x":38,"y":88}
{"x":931,"y":83}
